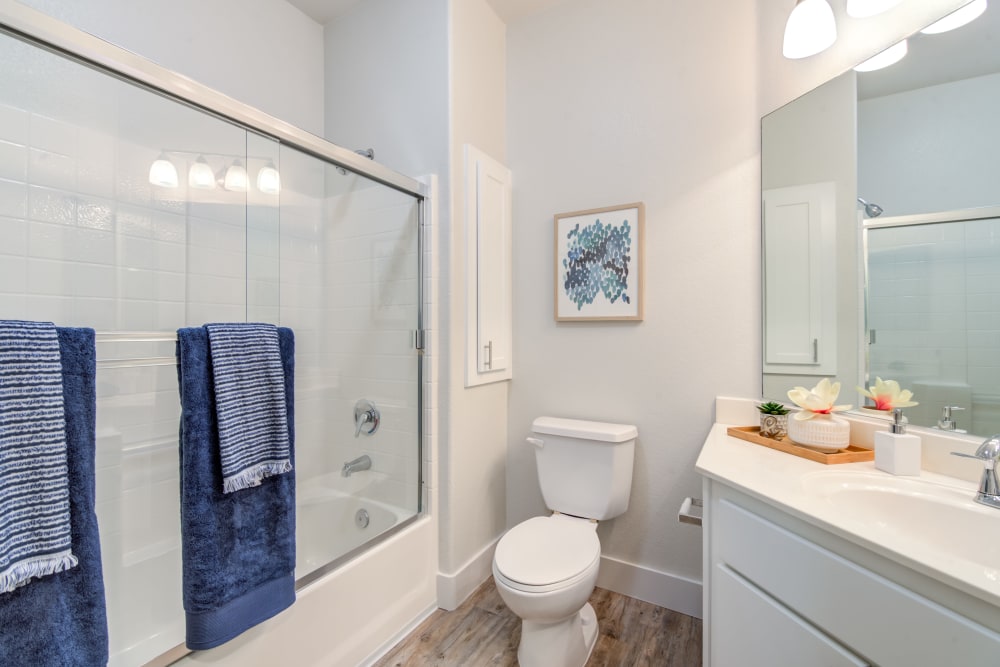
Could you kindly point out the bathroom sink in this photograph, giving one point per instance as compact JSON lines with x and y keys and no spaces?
{"x":935,"y":514}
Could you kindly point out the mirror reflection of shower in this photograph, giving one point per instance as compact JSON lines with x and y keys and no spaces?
{"x":871,"y":210}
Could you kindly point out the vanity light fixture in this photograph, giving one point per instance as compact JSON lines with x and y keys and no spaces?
{"x":268,"y":179}
{"x":890,"y":56}
{"x":163,"y":173}
{"x":236,"y":178}
{"x":957,"y":18}
{"x":860,"y":9}
{"x":200,"y":175}
{"x":811,"y":28}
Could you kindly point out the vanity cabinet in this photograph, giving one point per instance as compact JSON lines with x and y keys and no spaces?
{"x":782,"y":591}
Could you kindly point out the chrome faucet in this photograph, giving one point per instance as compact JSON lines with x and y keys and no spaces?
{"x":989,"y":454}
{"x":363,"y":462}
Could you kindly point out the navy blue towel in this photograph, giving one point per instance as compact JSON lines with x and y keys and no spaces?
{"x":60,"y":620}
{"x":34,"y":481}
{"x":238,"y":548}
{"x":250,"y":403}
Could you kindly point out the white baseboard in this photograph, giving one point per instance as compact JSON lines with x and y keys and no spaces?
{"x":453,"y":589}
{"x":660,"y":588}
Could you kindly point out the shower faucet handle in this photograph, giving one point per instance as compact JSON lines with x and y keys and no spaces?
{"x":366,"y":417}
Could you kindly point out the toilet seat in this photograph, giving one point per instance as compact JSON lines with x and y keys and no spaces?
{"x":547,"y":553}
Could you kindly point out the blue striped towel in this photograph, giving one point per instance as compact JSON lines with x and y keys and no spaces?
{"x":250,"y":403}
{"x":34,"y":482}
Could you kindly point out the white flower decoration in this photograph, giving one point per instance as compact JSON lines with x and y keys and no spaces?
{"x":817,"y":401}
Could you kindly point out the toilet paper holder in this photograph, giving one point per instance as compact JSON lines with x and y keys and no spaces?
{"x":691,"y":511}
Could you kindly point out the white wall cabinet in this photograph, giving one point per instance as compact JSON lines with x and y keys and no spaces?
{"x":780,"y":591}
{"x":489,"y":284}
{"x":800,"y":334}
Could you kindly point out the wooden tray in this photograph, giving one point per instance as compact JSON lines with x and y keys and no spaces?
{"x":852,"y":454}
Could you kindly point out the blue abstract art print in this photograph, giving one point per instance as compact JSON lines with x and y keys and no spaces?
{"x":598,"y":263}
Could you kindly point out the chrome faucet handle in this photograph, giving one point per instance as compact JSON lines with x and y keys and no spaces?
{"x":989,"y":454}
{"x":365,"y":415}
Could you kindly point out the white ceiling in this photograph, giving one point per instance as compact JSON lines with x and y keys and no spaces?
{"x":324,"y":11}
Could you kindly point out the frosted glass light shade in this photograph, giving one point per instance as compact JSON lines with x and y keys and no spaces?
{"x":269,"y":180}
{"x":890,"y":56}
{"x":201,"y":176}
{"x":957,"y":18}
{"x":860,"y":9}
{"x":236,"y":177}
{"x":811,"y":28}
{"x":163,"y":173}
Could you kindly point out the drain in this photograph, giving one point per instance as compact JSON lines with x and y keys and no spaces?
{"x":361,"y":518}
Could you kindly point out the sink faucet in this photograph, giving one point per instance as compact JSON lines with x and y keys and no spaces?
{"x":989,"y":454}
{"x":361,"y":463}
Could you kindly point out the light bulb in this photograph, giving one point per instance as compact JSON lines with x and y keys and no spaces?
{"x":861,"y":9}
{"x":268,"y":179}
{"x":890,"y":56}
{"x":200,"y":175}
{"x":163,"y":173}
{"x":957,"y":18}
{"x":811,"y":28}
{"x":236,"y":177}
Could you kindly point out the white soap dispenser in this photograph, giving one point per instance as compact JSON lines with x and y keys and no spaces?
{"x":897,"y":452}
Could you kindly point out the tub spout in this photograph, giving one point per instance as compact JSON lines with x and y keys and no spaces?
{"x":361,"y":463}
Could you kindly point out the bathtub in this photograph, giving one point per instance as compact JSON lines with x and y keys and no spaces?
{"x":336,"y":515}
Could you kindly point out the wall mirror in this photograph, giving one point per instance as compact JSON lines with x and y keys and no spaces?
{"x":881,"y":231}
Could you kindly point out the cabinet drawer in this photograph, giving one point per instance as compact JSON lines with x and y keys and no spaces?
{"x":878,"y":619}
{"x":752,"y":629}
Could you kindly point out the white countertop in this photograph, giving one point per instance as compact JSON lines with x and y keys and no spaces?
{"x":790,"y":483}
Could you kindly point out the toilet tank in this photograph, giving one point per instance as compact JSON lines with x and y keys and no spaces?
{"x":584,"y":467}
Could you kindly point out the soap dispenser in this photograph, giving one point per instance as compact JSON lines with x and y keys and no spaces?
{"x":896,"y":451}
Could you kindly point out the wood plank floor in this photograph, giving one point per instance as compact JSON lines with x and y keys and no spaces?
{"x":484,"y":632}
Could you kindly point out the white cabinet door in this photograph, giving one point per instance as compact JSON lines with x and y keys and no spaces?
{"x":489,"y":286}
{"x":800,"y":335}
{"x":751,"y":629}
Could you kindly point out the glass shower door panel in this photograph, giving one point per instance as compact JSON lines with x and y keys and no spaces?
{"x":89,"y":241}
{"x":349,"y":277}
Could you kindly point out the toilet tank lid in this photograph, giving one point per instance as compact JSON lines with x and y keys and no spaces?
{"x":588,"y":430}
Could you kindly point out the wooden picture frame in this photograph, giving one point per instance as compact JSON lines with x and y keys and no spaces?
{"x":599,"y":264}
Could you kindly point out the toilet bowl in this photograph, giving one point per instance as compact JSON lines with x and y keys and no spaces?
{"x":545,"y":570}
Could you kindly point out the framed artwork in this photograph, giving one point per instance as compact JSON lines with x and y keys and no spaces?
{"x":598,"y":261}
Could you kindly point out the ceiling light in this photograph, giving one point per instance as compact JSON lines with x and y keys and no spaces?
{"x":163,"y":173}
{"x":200,"y":175}
{"x":236,"y":177}
{"x":957,"y":18}
{"x":268,"y":179}
{"x":861,"y":9}
{"x":811,"y":28}
{"x":890,"y":56}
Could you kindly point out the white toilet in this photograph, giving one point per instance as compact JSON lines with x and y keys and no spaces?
{"x":545,"y":568}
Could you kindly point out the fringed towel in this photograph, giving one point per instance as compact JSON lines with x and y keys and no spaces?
{"x":250,"y":403}
{"x":34,"y":486}
{"x":238,"y":548}
{"x":60,"y":620}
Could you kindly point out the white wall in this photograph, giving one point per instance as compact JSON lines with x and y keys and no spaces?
{"x":473,"y":464}
{"x":951,"y":167}
{"x":613,"y":102}
{"x":264,"y":53}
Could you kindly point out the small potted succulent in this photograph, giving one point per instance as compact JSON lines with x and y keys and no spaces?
{"x":773,"y":420}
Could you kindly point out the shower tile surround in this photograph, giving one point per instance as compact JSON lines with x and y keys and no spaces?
{"x":87,"y":241}
{"x":934,"y":298}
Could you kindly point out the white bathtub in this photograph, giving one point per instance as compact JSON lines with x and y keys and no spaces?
{"x":335,"y":515}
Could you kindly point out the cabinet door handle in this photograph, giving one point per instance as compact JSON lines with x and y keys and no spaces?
{"x":489,"y":355}
{"x":815,"y":350}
